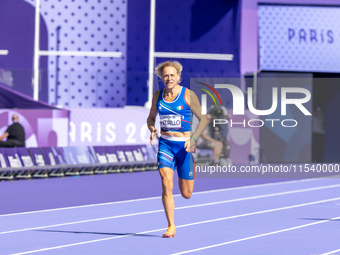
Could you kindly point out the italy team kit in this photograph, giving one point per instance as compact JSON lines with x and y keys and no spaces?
{"x":175,"y":116}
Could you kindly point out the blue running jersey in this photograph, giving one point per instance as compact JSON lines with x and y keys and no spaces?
{"x":174,"y":116}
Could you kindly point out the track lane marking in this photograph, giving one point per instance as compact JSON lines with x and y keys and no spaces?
{"x":331,"y":252}
{"x":178,"y":208}
{"x":191,"y":224}
{"x":257,"y":236}
{"x":158,"y":197}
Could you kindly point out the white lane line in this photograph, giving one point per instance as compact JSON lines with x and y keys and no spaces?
{"x":4,"y":52}
{"x":82,"y":221}
{"x":158,"y":197}
{"x":331,"y":252}
{"x":178,"y":208}
{"x":87,"y":242}
{"x":256,"y":236}
{"x":80,"y":206}
{"x":186,"y":225}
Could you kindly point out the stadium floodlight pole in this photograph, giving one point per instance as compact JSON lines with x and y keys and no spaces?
{"x":36,"y":51}
{"x":4,"y":52}
{"x":151,"y":52}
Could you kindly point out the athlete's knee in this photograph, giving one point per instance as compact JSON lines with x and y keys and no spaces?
{"x":167,"y":181}
{"x":186,"y":194}
{"x":186,"y":187}
{"x":167,"y":185}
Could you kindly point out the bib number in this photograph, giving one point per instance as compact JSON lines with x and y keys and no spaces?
{"x":170,"y":121}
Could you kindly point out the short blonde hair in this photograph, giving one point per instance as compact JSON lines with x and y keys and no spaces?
{"x":160,"y":67}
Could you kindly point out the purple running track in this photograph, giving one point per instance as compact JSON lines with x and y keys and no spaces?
{"x":40,"y":194}
{"x":297,"y":217}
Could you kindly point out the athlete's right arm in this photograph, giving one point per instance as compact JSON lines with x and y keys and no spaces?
{"x":152,"y":117}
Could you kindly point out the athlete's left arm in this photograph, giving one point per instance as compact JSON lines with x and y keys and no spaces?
{"x":195,"y":107}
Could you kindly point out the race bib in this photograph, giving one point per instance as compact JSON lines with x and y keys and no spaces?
{"x":170,"y":121}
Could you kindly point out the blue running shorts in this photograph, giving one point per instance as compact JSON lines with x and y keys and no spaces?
{"x":172,"y":154}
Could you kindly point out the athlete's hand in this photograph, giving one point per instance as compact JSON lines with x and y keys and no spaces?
{"x":153,"y":135}
{"x":189,"y":145}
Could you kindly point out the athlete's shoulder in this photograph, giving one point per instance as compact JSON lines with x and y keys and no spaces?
{"x":189,"y":93}
{"x":187,"y":96}
{"x":156,"y":94}
{"x":186,"y":89}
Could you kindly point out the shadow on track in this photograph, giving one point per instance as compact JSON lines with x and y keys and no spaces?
{"x":98,"y":233}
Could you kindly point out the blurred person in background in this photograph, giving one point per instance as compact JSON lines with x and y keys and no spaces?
{"x":175,"y":105}
{"x":207,"y":142}
{"x":15,"y":134}
{"x":214,"y":137}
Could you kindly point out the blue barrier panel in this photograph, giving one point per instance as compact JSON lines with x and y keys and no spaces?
{"x":130,"y":153}
{"x":140,"y":152}
{"x":77,"y":155}
{"x":119,"y":154}
{"x":25,"y":157}
{"x":53,"y":156}
{"x":111,"y":154}
{"x":13,"y":158}
{"x":37,"y":156}
{"x":99,"y":154}
{"x":3,"y":159}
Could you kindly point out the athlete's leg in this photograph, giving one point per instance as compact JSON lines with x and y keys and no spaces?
{"x":167,"y":166}
{"x":186,"y":187}
{"x":185,"y":169}
{"x":167,"y":175}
